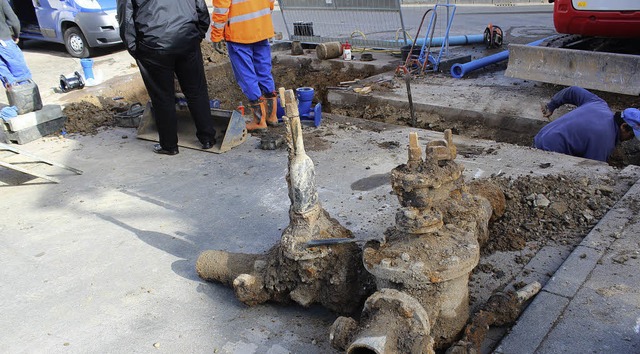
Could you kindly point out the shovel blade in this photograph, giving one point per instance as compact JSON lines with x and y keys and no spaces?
{"x":230,"y":129}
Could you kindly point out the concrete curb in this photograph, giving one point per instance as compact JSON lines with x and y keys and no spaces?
{"x":510,"y":126}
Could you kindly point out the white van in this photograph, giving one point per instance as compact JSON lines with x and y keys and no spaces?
{"x":80,"y":25}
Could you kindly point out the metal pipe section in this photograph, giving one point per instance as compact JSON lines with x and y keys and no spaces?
{"x":460,"y":70}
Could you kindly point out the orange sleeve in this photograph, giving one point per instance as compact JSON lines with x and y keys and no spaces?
{"x":219,"y":19}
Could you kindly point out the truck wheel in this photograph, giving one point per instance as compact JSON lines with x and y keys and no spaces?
{"x":75,"y":43}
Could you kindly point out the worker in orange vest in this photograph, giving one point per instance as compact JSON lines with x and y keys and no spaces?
{"x":246,"y":27}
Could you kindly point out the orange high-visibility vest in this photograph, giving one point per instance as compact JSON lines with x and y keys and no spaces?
{"x":241,"y":21}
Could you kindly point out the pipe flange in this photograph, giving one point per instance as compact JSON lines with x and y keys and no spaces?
{"x":392,"y":319}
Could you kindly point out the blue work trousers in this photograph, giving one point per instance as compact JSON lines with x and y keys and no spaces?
{"x":13,"y":67}
{"x":251,"y":65}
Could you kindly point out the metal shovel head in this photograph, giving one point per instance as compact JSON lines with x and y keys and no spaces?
{"x":231,"y":130}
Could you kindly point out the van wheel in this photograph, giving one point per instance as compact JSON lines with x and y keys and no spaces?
{"x":75,"y":43}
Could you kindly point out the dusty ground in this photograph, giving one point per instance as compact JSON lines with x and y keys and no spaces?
{"x":540,"y":211}
{"x":574,"y":206}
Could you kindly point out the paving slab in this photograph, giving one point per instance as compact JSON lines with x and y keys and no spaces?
{"x":27,"y":120}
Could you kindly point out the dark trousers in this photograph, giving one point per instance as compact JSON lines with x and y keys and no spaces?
{"x":158,"y":75}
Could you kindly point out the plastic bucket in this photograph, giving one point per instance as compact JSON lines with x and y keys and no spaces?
{"x":305,"y":96}
{"x":87,"y":68}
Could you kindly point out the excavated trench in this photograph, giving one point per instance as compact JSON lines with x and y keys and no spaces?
{"x":89,"y":109}
{"x":539,"y":211}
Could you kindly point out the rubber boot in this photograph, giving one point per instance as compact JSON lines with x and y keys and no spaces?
{"x":272,"y":109}
{"x":257,"y":109}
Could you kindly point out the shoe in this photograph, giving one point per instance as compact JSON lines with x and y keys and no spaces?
{"x":159,"y":150}
{"x":208,"y":144}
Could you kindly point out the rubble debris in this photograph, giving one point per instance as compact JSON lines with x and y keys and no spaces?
{"x":501,"y":309}
{"x":548,"y":209}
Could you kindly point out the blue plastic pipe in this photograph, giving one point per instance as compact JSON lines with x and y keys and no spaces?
{"x":460,"y":70}
{"x":453,"y":40}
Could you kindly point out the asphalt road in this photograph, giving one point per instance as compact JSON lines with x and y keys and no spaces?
{"x":520,"y":22}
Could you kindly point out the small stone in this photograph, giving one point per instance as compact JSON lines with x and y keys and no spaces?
{"x":541,"y":201}
{"x":156,"y":345}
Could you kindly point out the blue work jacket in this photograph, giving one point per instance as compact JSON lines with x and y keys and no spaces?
{"x":588,"y":131}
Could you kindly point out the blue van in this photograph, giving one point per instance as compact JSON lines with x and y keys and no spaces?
{"x":80,"y":24}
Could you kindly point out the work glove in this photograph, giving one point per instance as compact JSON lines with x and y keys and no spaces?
{"x":545,"y":111}
{"x":219,"y":47}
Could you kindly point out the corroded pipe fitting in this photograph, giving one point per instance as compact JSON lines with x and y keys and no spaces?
{"x":391,"y":322}
{"x":333,"y":276}
{"x":434,"y":246}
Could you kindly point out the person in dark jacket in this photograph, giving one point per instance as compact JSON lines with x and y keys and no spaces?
{"x":13,"y":67}
{"x":591,"y":130}
{"x":164,"y":37}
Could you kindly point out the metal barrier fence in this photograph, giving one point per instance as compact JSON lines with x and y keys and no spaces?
{"x":364,"y":23}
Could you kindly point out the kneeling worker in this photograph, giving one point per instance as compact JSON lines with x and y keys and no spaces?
{"x":591,"y":130}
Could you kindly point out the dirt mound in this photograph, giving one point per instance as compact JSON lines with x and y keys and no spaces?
{"x":558,"y":209}
{"x":209,"y":55}
{"x":86,"y":117}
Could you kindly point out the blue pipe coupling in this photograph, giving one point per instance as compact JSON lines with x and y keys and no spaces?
{"x":305,"y":96}
{"x":305,"y":109}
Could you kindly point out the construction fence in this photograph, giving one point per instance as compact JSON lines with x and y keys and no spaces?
{"x":365,"y":23}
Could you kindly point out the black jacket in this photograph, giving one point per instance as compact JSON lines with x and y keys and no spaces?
{"x":162,"y":26}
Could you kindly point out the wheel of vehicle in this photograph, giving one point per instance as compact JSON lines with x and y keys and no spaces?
{"x":75,"y":43}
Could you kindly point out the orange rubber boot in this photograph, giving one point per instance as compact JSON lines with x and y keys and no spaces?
{"x":272,"y":109}
{"x":257,"y":109}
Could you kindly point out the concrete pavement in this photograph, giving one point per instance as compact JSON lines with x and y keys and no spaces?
{"x":104,"y":262}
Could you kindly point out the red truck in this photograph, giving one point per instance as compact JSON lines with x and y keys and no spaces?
{"x":597,"y":18}
{"x":598,"y":47}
